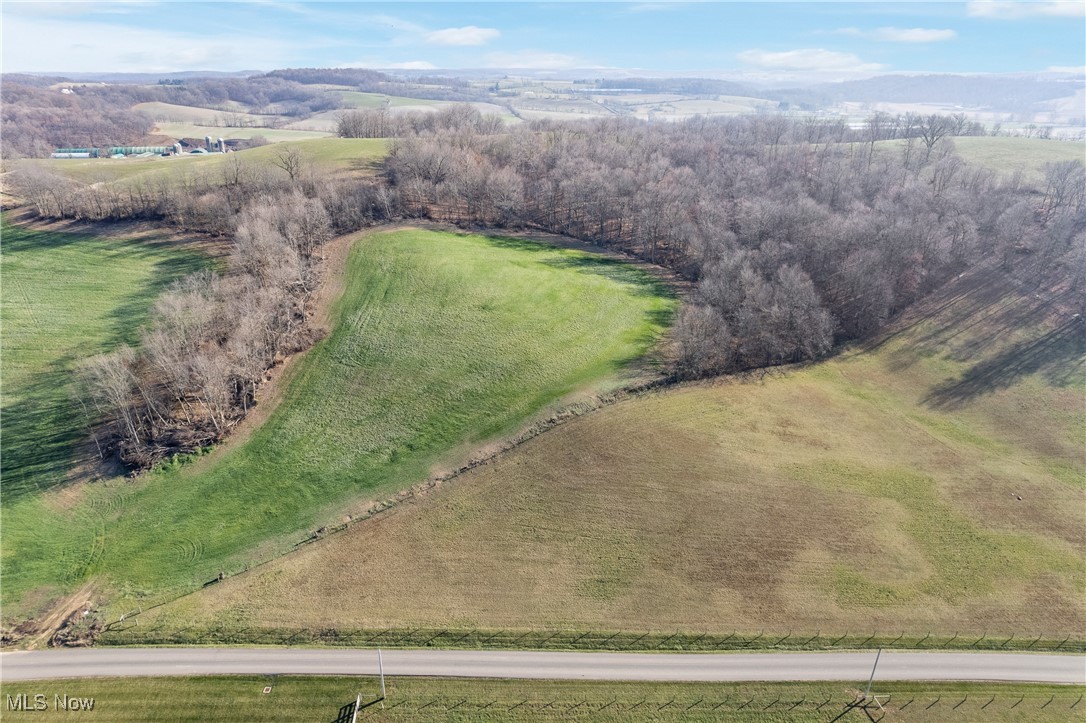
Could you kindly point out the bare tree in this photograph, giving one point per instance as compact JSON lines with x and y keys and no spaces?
{"x":291,"y":160}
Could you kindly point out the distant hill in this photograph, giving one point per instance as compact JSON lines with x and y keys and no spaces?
{"x":996,"y":92}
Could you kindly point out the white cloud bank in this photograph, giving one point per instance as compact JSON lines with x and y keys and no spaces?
{"x":1012,"y":9}
{"x":48,"y":45}
{"x":467,"y":35}
{"x":902,"y":35}
{"x":808,"y":60}
{"x":531,"y":59}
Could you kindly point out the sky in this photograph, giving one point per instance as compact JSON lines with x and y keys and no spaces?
{"x":758,"y":40}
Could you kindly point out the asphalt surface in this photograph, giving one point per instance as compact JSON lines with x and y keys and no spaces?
{"x":852,"y":666}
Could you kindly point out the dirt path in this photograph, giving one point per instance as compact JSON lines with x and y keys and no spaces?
{"x":47,"y":627}
{"x":271,"y":392}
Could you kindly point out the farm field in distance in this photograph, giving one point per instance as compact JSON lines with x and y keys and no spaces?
{"x":323,"y":155}
{"x":875,"y":491}
{"x":439,"y":343}
{"x":1008,"y":155}
{"x":221,"y":699}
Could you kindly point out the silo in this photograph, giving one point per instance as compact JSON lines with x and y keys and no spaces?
{"x":207,"y":143}
{"x":222,"y":145}
{"x":177,"y":148}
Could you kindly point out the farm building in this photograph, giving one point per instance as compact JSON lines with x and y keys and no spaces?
{"x":75,"y":153}
{"x":139,"y":150}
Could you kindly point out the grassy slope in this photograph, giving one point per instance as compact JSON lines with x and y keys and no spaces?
{"x":874,"y":491}
{"x":65,"y":297}
{"x":438,"y":341}
{"x":1028,"y":155}
{"x":324,"y":154}
{"x":197,"y":115}
{"x":294,"y":698}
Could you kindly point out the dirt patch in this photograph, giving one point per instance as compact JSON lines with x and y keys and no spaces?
{"x":65,"y":610}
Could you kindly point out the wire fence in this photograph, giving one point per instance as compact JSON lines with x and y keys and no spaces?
{"x":129,"y":632}
{"x":959,"y":706}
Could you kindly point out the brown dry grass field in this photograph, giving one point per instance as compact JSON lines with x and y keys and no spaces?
{"x":874,"y":491}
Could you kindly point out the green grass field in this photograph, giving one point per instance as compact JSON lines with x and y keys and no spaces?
{"x":325,"y":155}
{"x":439,"y":343}
{"x":1028,"y":155}
{"x":360,"y":100}
{"x":220,"y":699}
{"x":874,"y":492}
{"x":65,"y":297}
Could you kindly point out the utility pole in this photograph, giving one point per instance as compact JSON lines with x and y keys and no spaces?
{"x":872,"y":678}
{"x":381,"y":668}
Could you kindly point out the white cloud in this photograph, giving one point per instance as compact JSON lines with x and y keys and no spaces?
{"x":467,"y":35}
{"x":1012,"y":9}
{"x":808,"y":60}
{"x":901,"y":35}
{"x":1073,"y":69}
{"x":409,"y":65}
{"x":47,"y":45}
{"x":535,"y":59}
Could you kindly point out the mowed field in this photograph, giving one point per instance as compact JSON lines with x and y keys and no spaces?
{"x":222,"y":699}
{"x":439,"y":343}
{"x":874,"y":492}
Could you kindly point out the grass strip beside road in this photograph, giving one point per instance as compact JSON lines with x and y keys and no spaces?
{"x":131,"y":634}
{"x":222,"y":699}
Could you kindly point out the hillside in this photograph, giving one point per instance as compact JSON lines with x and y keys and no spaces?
{"x":438,"y":344}
{"x":930,"y":482}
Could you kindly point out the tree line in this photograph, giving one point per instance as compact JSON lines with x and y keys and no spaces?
{"x":212,"y":337}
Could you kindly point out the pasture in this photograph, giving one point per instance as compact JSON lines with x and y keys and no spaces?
{"x":171,"y":112}
{"x":220,"y":699}
{"x":1028,"y":155}
{"x":927,"y":483}
{"x":439,"y":343}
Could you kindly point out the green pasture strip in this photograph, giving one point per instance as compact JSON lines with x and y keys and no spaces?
{"x":218,"y":699}
{"x":66,"y":297}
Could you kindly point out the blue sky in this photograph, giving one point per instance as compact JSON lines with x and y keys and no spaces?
{"x":768,"y":40}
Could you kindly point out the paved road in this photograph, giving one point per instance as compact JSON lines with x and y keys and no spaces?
{"x":894,"y":665}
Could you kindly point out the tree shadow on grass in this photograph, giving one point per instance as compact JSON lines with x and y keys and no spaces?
{"x":40,"y":433}
{"x":584,"y":261}
{"x":1059,"y":356}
